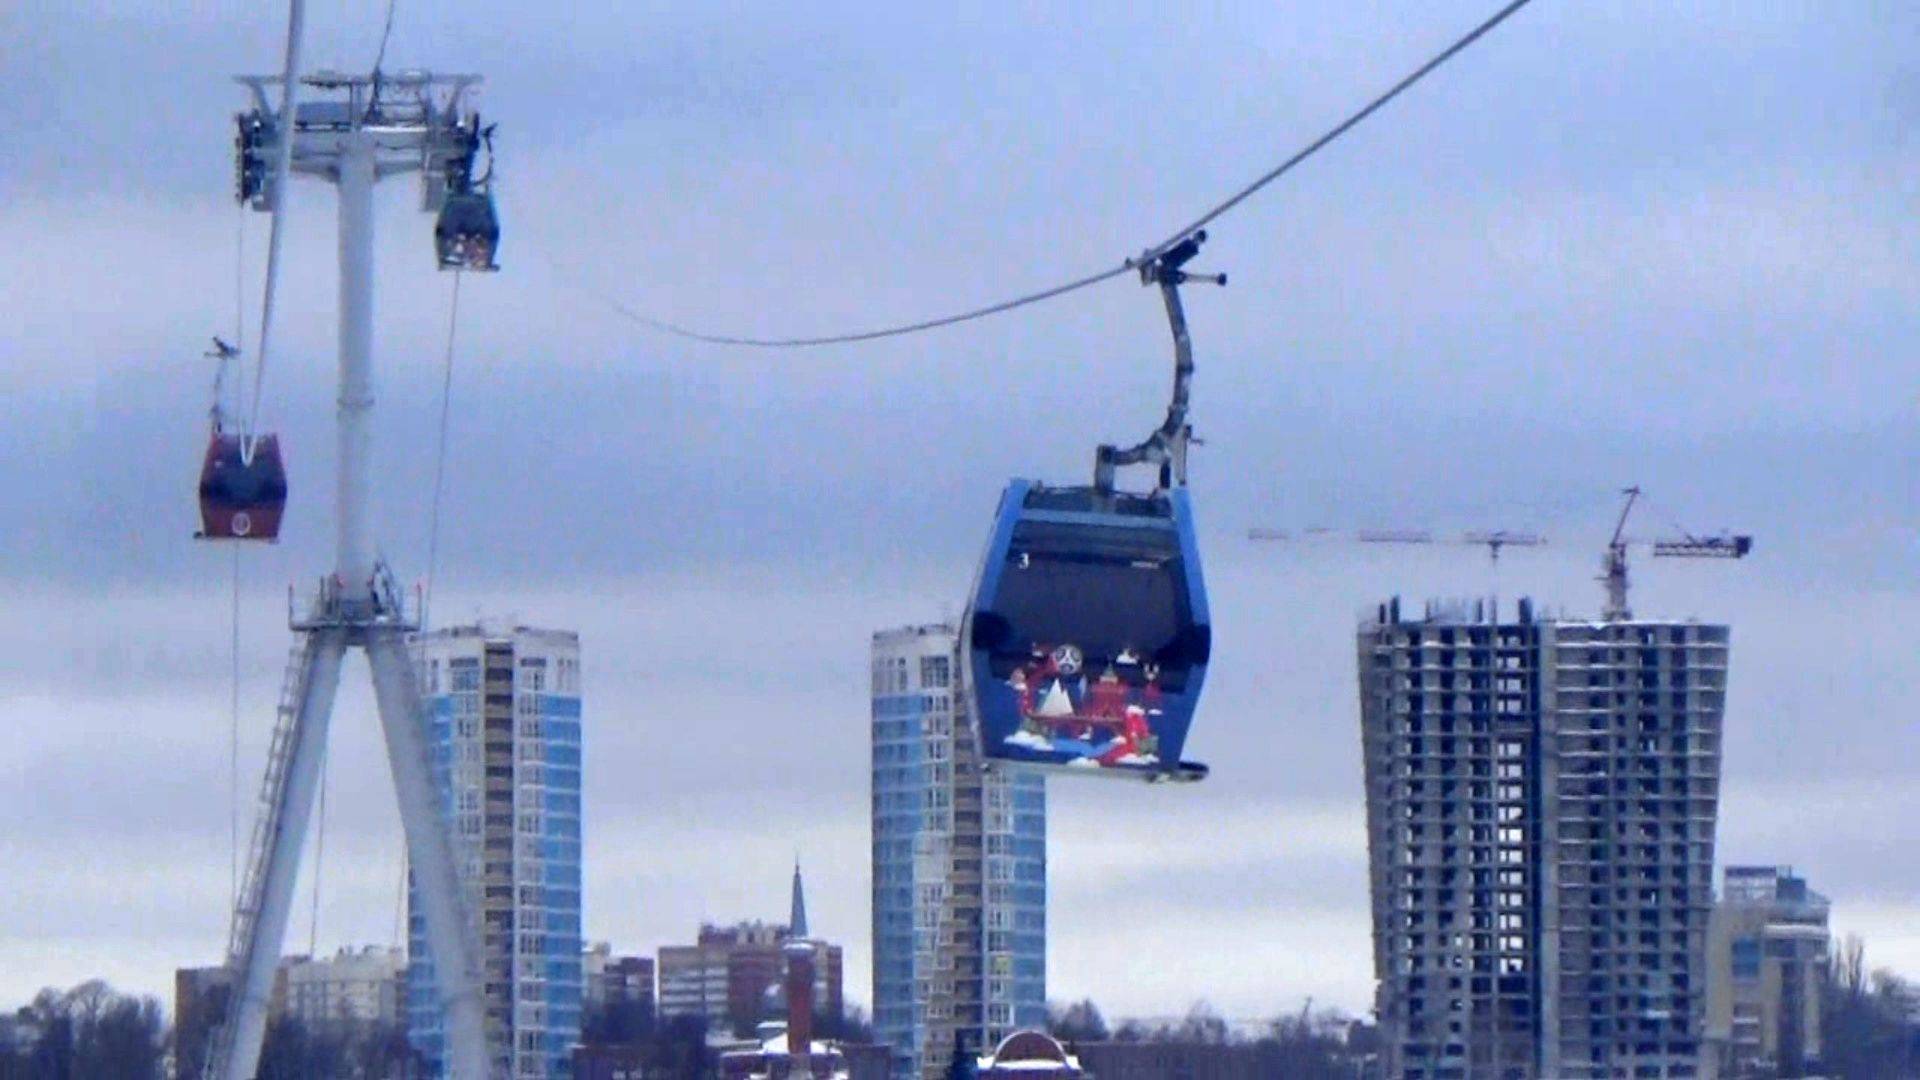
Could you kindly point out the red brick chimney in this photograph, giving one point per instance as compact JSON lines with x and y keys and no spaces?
{"x":800,"y":1005}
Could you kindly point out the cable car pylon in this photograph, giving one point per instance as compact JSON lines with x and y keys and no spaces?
{"x":354,"y":131}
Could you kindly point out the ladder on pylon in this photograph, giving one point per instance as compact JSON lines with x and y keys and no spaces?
{"x":266,"y":825}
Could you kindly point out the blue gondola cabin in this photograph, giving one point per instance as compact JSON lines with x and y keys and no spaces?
{"x":1088,"y":636}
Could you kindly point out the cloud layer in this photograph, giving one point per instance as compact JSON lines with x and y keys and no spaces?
{"x":1639,"y":244}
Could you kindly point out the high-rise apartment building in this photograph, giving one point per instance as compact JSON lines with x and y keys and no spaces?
{"x":503,"y":705}
{"x":1541,"y":800}
{"x":959,"y":867}
{"x":1767,"y":951}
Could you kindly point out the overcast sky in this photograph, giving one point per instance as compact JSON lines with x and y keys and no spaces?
{"x":1612,"y":244}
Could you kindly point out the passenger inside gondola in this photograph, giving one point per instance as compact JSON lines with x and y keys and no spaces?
{"x":1119,"y":601}
{"x":467,"y":233}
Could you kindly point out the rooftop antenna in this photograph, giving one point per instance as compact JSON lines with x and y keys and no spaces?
{"x":351,"y":131}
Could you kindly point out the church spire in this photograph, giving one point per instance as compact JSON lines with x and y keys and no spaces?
{"x":797,"y":918}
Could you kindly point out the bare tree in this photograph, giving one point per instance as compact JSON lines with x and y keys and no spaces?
{"x":1204,"y":1025}
{"x":90,"y":1031}
{"x":1866,"y":1027}
{"x":1078,"y":1022}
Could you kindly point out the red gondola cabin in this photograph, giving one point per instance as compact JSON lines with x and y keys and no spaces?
{"x":242,"y":499}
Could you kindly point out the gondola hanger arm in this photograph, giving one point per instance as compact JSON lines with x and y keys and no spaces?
{"x":1166,"y":446}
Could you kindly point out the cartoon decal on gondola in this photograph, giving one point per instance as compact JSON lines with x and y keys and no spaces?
{"x":1099,"y":721}
{"x":1088,"y":637}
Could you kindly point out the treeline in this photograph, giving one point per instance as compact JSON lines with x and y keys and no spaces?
{"x":88,"y":1031}
{"x":1308,"y":1045}
{"x":1869,"y":1023}
{"x":94,"y":1032}
{"x":348,"y":1050}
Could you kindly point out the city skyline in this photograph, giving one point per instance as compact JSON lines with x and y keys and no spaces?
{"x":1732,"y":282}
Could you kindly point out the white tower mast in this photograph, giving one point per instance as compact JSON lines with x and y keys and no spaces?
{"x":352,"y":132}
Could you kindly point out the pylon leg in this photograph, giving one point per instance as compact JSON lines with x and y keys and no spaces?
{"x":289,"y":806}
{"x":453,"y":936}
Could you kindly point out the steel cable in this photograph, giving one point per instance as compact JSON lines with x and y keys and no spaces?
{"x":282,"y":167}
{"x":440,"y":454}
{"x":1127,"y":265}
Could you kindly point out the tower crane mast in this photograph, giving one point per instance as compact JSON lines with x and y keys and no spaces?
{"x":1613,"y":564}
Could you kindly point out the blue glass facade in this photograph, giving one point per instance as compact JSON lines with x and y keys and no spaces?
{"x":504,"y":715}
{"x":959,"y":866}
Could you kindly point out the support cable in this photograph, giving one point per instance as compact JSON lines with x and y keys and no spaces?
{"x":319,"y":857}
{"x":380,"y":55}
{"x":440,"y":452}
{"x":379,"y":58}
{"x":282,"y":167}
{"x":240,"y":279}
{"x":233,"y":692}
{"x":1128,"y":265}
{"x":400,"y":900}
{"x":233,"y":747}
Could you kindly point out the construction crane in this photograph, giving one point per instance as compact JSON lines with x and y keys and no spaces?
{"x":1613,"y":564}
{"x":1492,"y":539}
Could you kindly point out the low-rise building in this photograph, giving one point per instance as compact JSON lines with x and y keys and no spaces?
{"x":725,"y":976}
{"x":609,"y":1061}
{"x":614,"y":980}
{"x":364,"y":986}
{"x":1767,"y":946}
{"x":200,"y":998}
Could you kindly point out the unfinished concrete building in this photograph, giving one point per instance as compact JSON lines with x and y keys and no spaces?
{"x":1541,"y":798}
